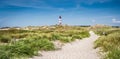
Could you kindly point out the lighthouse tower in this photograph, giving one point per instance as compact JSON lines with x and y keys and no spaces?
{"x":60,"y":20}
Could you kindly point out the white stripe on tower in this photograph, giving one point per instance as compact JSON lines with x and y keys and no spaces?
{"x":60,"y":20}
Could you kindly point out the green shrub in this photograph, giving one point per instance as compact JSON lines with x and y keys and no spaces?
{"x":25,"y":48}
{"x":19,"y":50}
{"x":16,"y":50}
{"x":19,"y":36}
{"x":110,"y":44}
{"x":85,"y":34}
{"x":76,"y":37}
{"x":5,"y":38}
{"x":55,"y":36}
{"x":114,"y":54}
{"x":4,"y":53}
{"x":42,"y":44}
{"x":107,"y":31}
{"x":66,"y":39}
{"x":46,"y":45}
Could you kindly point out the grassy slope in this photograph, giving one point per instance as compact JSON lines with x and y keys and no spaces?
{"x":110,"y":42}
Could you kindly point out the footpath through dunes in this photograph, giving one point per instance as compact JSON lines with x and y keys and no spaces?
{"x":79,"y":49}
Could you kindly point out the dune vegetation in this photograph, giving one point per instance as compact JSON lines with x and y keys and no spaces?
{"x":21,"y":43}
{"x":109,"y":42}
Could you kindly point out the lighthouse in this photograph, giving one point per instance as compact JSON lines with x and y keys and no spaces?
{"x":60,"y":20}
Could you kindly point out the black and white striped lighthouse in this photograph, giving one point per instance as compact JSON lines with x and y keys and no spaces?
{"x":60,"y":20}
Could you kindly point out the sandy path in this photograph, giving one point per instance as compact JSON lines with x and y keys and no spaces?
{"x":79,"y":49}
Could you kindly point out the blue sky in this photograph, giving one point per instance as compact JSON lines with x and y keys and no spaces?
{"x":46,"y":12}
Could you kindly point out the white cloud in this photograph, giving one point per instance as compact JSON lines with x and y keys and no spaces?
{"x":115,"y":21}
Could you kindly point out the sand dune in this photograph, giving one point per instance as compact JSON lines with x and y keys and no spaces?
{"x":79,"y":49}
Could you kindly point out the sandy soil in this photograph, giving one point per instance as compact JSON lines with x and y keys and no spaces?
{"x":79,"y":49}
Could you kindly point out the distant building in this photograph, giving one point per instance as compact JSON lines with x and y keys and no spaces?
{"x":60,"y":20}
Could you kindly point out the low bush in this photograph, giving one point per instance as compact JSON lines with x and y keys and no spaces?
{"x":55,"y":36}
{"x":19,"y":36}
{"x":66,"y":39}
{"x":110,"y":44}
{"x":42,"y":44}
{"x":5,"y":38}
{"x":25,"y":48}
{"x":77,"y":37}
{"x":114,"y":54}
